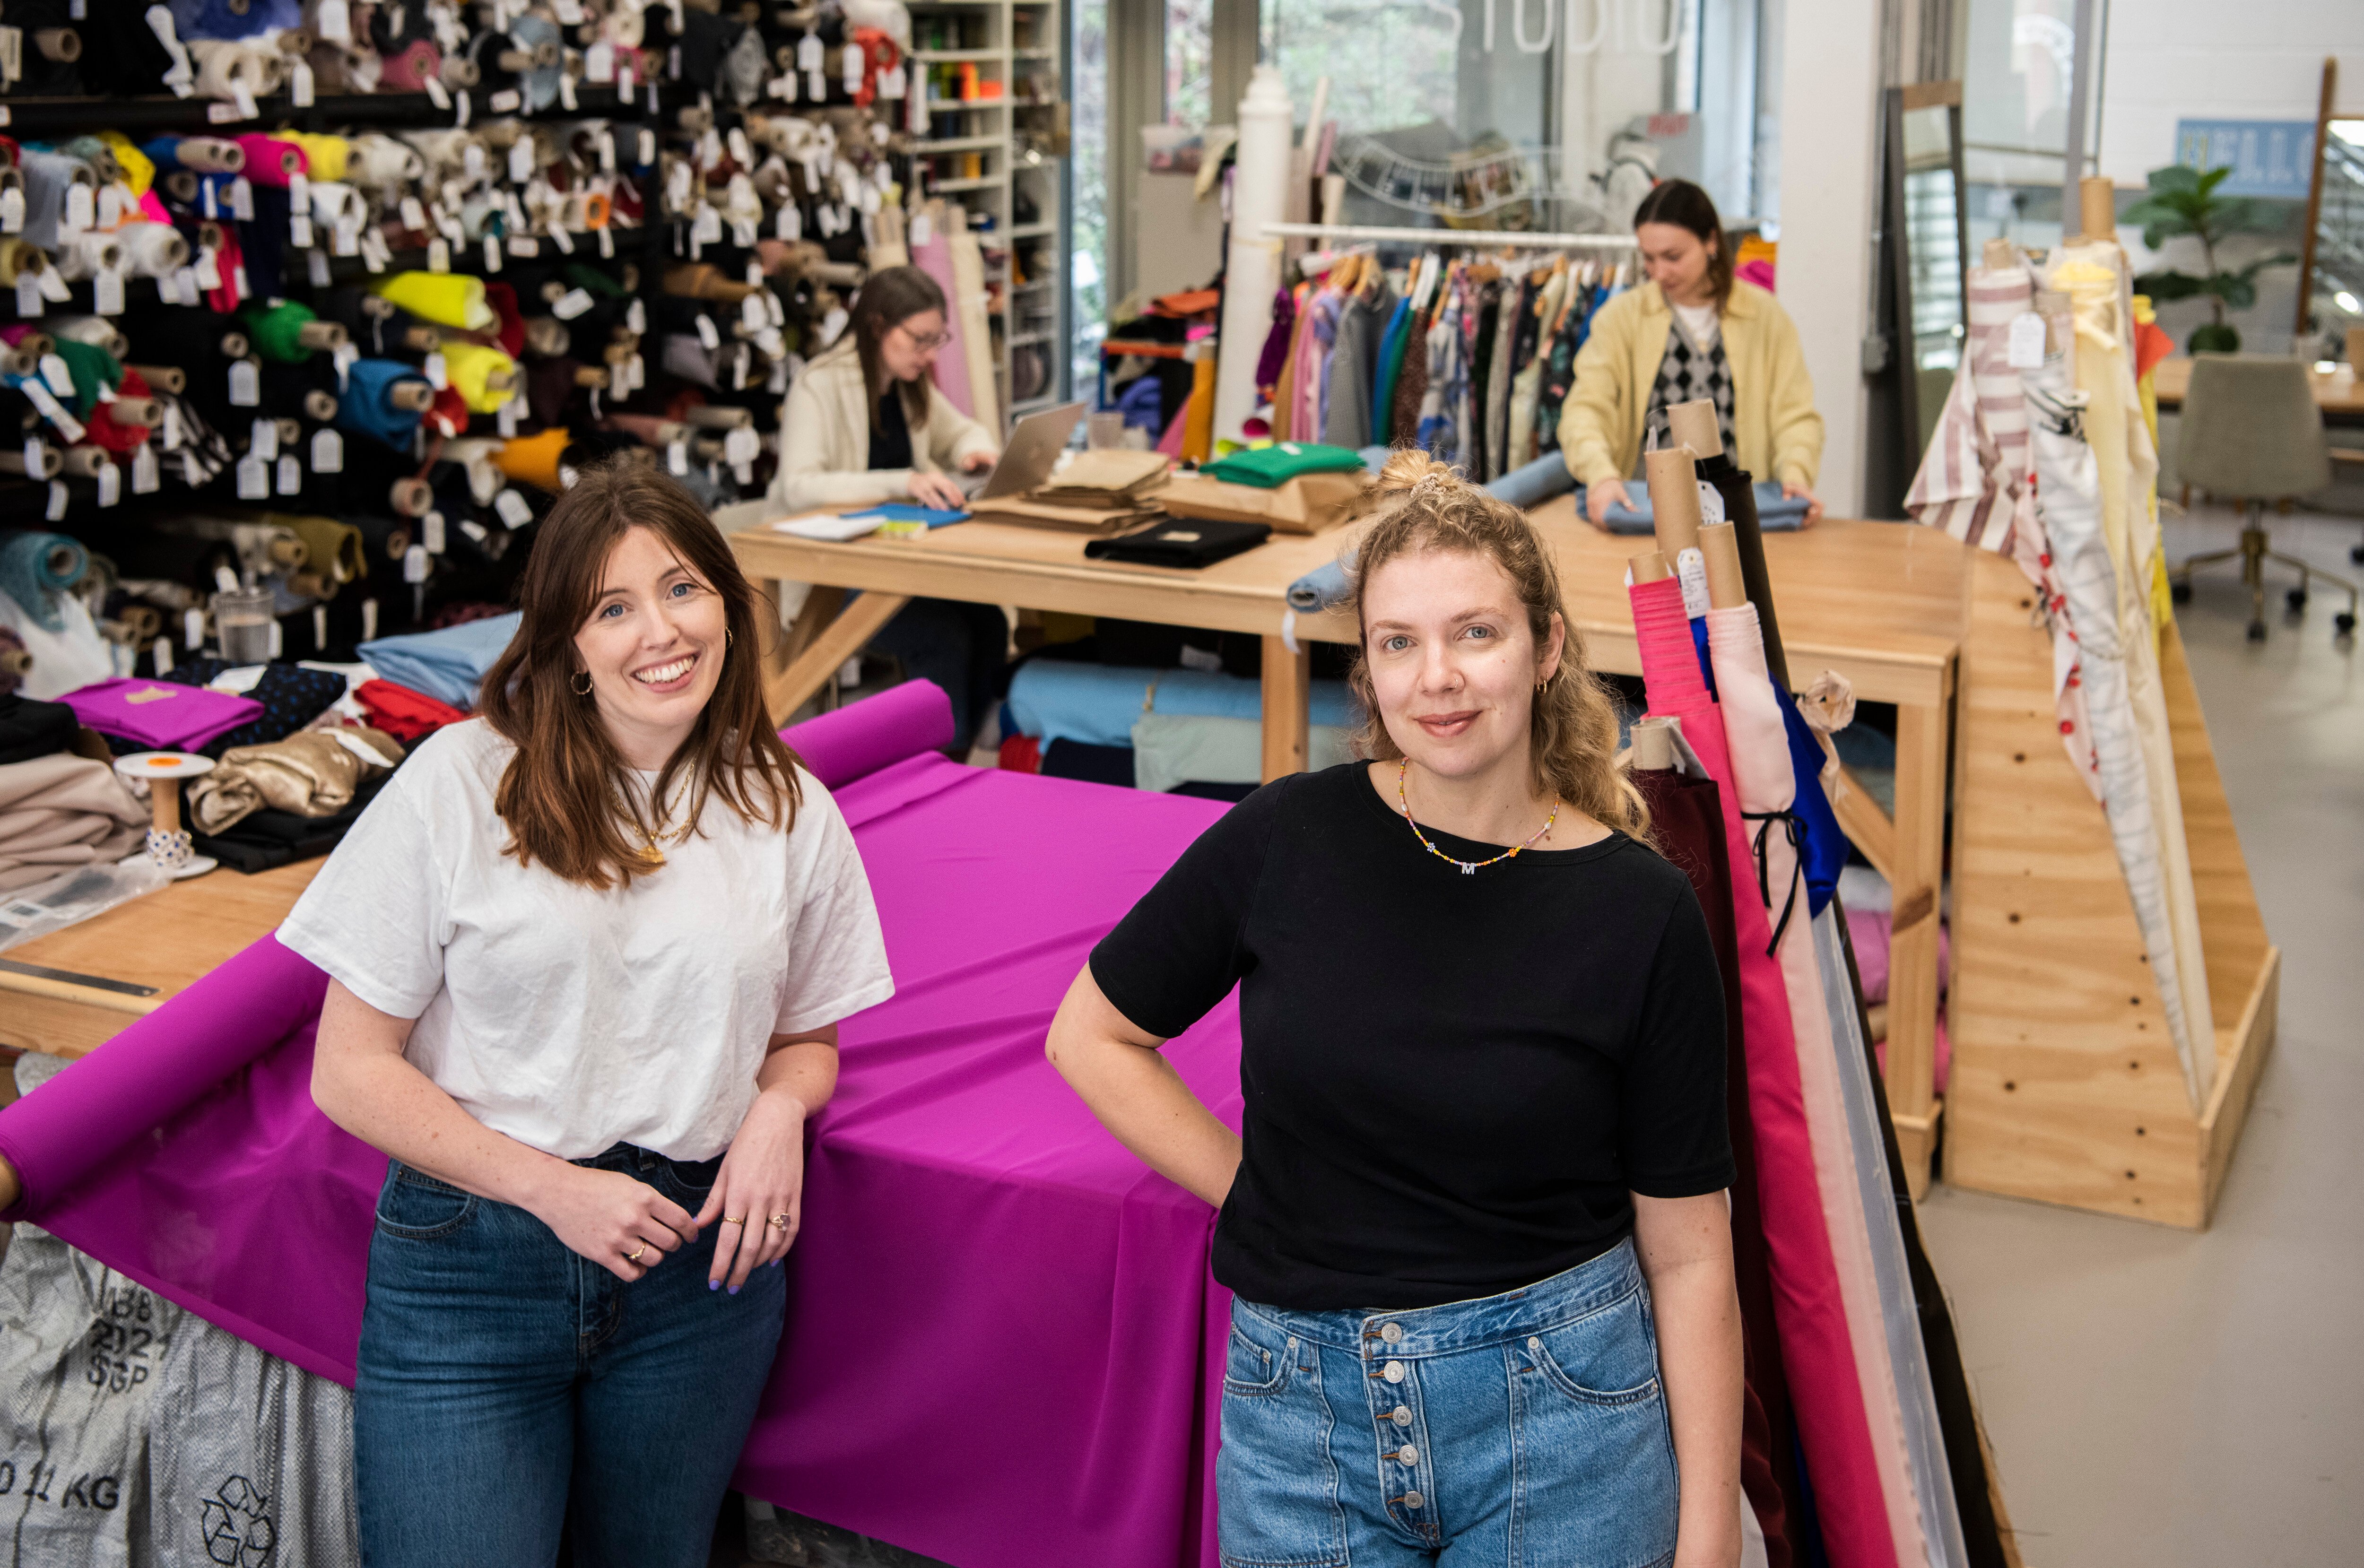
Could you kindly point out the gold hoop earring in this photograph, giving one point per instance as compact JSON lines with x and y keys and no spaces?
{"x":584,"y":689}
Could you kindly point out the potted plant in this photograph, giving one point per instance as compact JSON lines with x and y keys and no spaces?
{"x":2183,"y":201}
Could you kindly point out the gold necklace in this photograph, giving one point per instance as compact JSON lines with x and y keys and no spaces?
{"x":1468,"y":868}
{"x":648,"y":855}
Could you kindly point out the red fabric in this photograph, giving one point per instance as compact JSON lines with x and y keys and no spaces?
{"x":409,"y":717}
{"x":105,"y":431}
{"x":1022,"y":754}
{"x":878,"y":54}
{"x":2151,"y":345}
{"x":510,"y":335}
{"x":449,"y":413}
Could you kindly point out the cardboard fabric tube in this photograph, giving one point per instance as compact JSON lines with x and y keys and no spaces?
{"x":12,"y":461}
{"x":290,"y":431}
{"x":710,"y":417}
{"x":2097,"y":208}
{"x":321,"y":335}
{"x":210,"y":155}
{"x":143,"y":411}
{"x":412,"y":396}
{"x":234,"y":345}
{"x":421,"y":339}
{"x":84,"y":462}
{"x":1654,"y":745}
{"x":1674,"y":498}
{"x":319,"y":407}
{"x":1998,"y":253}
{"x":500,"y":381}
{"x":289,"y":551}
{"x":162,"y":378}
{"x":61,"y":44}
{"x":165,"y":800}
{"x":1693,"y":424}
{"x":591,"y":376}
{"x":1650,"y":566}
{"x":458,"y":72}
{"x":410,"y":497}
{"x":1726,"y":587}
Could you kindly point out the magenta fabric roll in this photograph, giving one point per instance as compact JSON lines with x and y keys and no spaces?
{"x":1816,"y":1349}
{"x":161,"y":714}
{"x":980,"y":1261}
{"x":864,"y":737}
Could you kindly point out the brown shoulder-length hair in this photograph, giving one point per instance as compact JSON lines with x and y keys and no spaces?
{"x":568,"y":797}
{"x":890,"y":296}
{"x":1686,"y":206}
{"x":1424,"y":505}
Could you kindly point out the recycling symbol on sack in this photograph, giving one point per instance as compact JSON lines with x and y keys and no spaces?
{"x":237,"y":1531}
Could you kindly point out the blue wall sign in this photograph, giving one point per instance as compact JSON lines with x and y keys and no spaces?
{"x":2269,"y":157}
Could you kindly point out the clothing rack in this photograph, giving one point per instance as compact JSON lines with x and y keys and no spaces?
{"x":1350,"y":231}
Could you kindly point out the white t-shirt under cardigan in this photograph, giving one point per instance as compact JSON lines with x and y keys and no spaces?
{"x":574,"y":1019}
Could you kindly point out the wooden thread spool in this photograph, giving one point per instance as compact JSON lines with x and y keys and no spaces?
{"x":411,"y":397}
{"x":13,"y":460}
{"x":1654,"y":745}
{"x":410,"y":497}
{"x":319,"y":406}
{"x":1693,"y":424}
{"x":61,"y":44}
{"x":1650,"y":566}
{"x":163,"y":378}
{"x":1726,"y":587}
{"x":1674,"y":499}
{"x":145,"y":412}
{"x":319,"y":335}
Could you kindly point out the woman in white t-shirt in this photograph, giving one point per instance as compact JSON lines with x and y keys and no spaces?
{"x":588,"y":953}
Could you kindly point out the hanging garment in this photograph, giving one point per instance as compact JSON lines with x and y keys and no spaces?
{"x":1689,"y":371}
{"x":1284,"y":388}
{"x":1526,"y":381}
{"x":1477,"y":338}
{"x":1516,"y":300}
{"x":1411,"y":384}
{"x":1355,"y":366}
{"x":1441,"y":420}
{"x":1559,"y":366}
{"x":1321,"y":342}
{"x":1391,"y":361}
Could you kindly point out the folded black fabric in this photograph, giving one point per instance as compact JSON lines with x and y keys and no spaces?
{"x":271,"y":837}
{"x":1181,"y":541}
{"x":30,"y":729}
{"x":291,"y":695}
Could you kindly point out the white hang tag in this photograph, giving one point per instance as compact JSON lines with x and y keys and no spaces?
{"x":741,"y":445}
{"x":435,"y":93}
{"x":1710,"y":504}
{"x":439,"y":255}
{"x":852,"y":58}
{"x":262,"y":441}
{"x":299,"y":190}
{"x":892,"y":83}
{"x":784,"y":88}
{"x":206,"y":196}
{"x":571,"y":304}
{"x":789,"y":224}
{"x":752,"y":313}
{"x":596,"y":414}
{"x":36,"y":456}
{"x":810,"y":52}
{"x":242,"y":199}
{"x":243,"y":96}
{"x":253,"y":479}
{"x":110,"y":205}
{"x":53,"y":287}
{"x":636,"y":317}
{"x":566,"y":92}
{"x":570,"y":14}
{"x":169,"y":434}
{"x":606,"y":244}
{"x":706,"y":334}
{"x":12,"y":210}
{"x":599,"y":63}
{"x":345,"y":240}
{"x":677,"y":458}
{"x":491,"y":254}
{"x":742,"y":152}
{"x":624,"y":78}
{"x":472,"y":163}
{"x":299,"y":231}
{"x":334,"y":21}
{"x":29,"y":295}
{"x":291,"y":474}
{"x":514,"y":508}
{"x":54,"y":372}
{"x":505,"y":418}
{"x":504,"y":102}
{"x":560,"y":238}
{"x":430,"y":532}
{"x":708,"y":229}
{"x":320,"y":641}
{"x":82,"y":208}
{"x":647,"y":147}
{"x":524,"y":245}
{"x":673,"y":63}
{"x":145,"y":477}
{"x":299,"y":85}
{"x":207,"y":271}
{"x":59,"y":499}
{"x":437,"y":373}
{"x":193,"y":629}
{"x":1690,"y":567}
{"x":2025,"y":351}
{"x":328,"y":452}
{"x":463,"y":110}
{"x":414,"y":559}
{"x":635,"y":374}
{"x":414,"y":215}
{"x":110,"y":483}
{"x":245,"y":383}
{"x":316,"y":266}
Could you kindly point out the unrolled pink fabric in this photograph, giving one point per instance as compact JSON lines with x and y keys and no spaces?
{"x":162,"y":714}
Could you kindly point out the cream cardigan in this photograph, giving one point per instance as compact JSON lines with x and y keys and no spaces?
{"x":1775,"y":427}
{"x":825,"y":439}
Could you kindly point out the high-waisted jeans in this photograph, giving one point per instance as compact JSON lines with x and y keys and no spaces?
{"x":1521,"y":1430}
{"x":507,"y":1384}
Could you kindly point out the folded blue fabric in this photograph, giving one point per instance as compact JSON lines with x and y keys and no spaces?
{"x":900,"y":512}
{"x":1319,"y":589}
{"x":1535,"y":482}
{"x":1774,"y":515}
{"x":1055,"y":699}
{"x":446,"y":665}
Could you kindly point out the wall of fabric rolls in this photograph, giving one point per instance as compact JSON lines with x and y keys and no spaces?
{"x":394,"y":271}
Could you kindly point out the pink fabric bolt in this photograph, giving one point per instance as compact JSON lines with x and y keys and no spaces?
{"x":165,"y":715}
{"x":1816,"y":1349}
{"x":980,"y":1261}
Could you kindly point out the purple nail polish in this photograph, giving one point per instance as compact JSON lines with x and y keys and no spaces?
{"x":714,"y":1285}
{"x":735,"y":1290}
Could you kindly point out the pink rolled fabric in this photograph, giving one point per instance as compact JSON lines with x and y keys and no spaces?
{"x":408,"y":72}
{"x":935,"y":258}
{"x":874,"y":733}
{"x":1810,"y":1308}
{"x":1764,"y":774}
{"x":273,"y":160}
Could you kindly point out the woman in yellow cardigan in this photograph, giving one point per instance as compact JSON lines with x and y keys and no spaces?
{"x":1692,"y":331}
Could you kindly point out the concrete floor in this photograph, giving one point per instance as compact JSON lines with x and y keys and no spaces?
{"x":2157,"y":1399}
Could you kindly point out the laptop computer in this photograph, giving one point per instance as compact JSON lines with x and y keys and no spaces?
{"x":1034,"y":451}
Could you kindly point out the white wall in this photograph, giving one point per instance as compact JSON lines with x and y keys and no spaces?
{"x":2257,"y":60}
{"x":1830,"y":143}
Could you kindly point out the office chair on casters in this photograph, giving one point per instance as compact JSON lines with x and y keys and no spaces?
{"x":2252,"y":433}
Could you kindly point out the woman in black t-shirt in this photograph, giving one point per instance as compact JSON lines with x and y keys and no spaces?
{"x":1475,"y":1221}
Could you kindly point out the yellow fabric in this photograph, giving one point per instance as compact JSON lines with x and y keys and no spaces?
{"x":325,"y":157}
{"x":448,"y":299}
{"x":1775,"y":427}
{"x":138,"y":172}
{"x":468,"y":366}
{"x":2162,"y":601}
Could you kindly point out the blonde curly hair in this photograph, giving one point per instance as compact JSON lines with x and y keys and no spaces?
{"x":1418,"y":505}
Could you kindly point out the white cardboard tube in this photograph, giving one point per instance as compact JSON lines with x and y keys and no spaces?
{"x":1259,"y":195}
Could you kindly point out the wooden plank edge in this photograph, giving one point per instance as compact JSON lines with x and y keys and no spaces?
{"x":2236,"y":1082}
{"x":81,"y":996}
{"x":1916,"y":1142}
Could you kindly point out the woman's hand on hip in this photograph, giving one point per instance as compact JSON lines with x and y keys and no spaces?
{"x":1599,"y":498}
{"x":1813,"y":502}
{"x":626,"y":1226}
{"x":758,"y":1197}
{"x":935,"y":490}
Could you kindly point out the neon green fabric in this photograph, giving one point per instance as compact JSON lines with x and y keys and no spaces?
{"x":272,"y":329}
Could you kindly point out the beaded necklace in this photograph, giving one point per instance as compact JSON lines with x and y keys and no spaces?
{"x":1468,"y":868}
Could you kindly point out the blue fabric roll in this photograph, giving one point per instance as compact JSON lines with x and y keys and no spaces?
{"x":1319,"y":589}
{"x":446,"y":665}
{"x":1774,"y":515}
{"x":1825,"y":852}
{"x":35,"y":568}
{"x":215,"y":19}
{"x":1534,"y":484}
{"x":1055,"y":699}
{"x":364,"y":409}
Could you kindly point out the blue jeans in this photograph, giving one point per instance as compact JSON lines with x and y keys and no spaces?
{"x":507,"y":1386}
{"x":1521,"y":1430}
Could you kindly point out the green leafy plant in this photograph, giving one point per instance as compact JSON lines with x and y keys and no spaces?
{"x":2184,"y":202}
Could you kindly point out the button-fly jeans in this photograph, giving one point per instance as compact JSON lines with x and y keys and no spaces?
{"x":507,"y":1385}
{"x":1525,"y":1429}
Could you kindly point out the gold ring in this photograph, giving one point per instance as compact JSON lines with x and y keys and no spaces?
{"x":634,"y":1256}
{"x":734,"y":1219}
{"x":779,"y":1222}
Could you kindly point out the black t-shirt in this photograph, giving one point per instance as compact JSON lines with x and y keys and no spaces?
{"x":890,"y":432}
{"x":1454,"y":1083}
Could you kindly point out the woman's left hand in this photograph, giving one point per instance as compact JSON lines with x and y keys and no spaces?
{"x":978,"y":463}
{"x":763,"y":1176}
{"x":1813,"y":502}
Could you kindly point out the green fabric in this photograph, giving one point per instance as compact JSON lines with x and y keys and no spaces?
{"x":272,"y":328}
{"x":1269,"y":468}
{"x":592,"y":281}
{"x":90,"y":367}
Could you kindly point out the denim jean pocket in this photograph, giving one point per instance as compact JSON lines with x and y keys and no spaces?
{"x":1589,"y":1405}
{"x":1275,"y":1481}
{"x":1607,"y":1358}
{"x":415,"y":1206}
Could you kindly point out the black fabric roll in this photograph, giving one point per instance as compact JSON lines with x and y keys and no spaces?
{"x":127,"y":57}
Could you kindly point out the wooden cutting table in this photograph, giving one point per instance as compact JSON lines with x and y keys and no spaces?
{"x":1880,"y":603}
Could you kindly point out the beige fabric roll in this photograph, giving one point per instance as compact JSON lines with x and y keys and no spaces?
{"x":312,"y":774}
{"x":59,"y":811}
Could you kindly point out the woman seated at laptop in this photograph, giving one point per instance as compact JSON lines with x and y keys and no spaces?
{"x":865,"y":424}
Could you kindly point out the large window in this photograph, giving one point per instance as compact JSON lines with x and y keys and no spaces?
{"x":2018,"y":73}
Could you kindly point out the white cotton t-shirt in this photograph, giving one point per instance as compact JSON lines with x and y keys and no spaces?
{"x":574,"y":1019}
{"x":1702,"y":324}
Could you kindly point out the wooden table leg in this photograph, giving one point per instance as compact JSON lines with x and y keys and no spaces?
{"x":1287,"y":683}
{"x":821,"y":606}
{"x":1912,"y":978}
{"x":827,"y":648}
